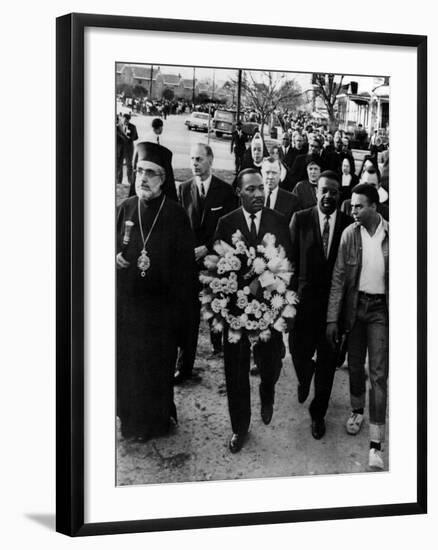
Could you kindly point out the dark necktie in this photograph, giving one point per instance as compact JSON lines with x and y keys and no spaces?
{"x":326,"y":235}
{"x":268,"y":200}
{"x":253,"y":230}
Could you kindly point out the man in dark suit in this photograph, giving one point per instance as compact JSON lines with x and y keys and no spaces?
{"x":276,"y":198}
{"x":288,"y":152}
{"x":126,"y":135}
{"x":315,"y":236}
{"x":238,"y":145}
{"x":254,"y":221}
{"x":205,"y":198}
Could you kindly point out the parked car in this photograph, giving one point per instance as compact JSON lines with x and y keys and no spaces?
{"x":197,"y":121}
{"x":224,"y":123}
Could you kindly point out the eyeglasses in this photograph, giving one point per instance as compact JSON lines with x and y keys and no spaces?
{"x":150,"y":174}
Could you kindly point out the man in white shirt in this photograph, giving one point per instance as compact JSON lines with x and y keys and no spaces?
{"x":315,"y":236}
{"x":205,"y":198}
{"x":253,"y":221}
{"x":276,"y":198}
{"x":360,"y":289}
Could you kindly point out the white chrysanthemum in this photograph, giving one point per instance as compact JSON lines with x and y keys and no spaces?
{"x":235,"y":323}
{"x":251,"y":252}
{"x":232,"y":287}
{"x":260,"y":248}
{"x":216,"y":305}
{"x":270,"y":252}
{"x":243,"y":318}
{"x":235,"y":264}
{"x":242,"y":302}
{"x":267,"y":294}
{"x":259,"y":265}
{"x":255,"y":306}
{"x":263,"y":324}
{"x":277,"y":301}
{"x":258,"y":314}
{"x":274,"y":264}
{"x":246,"y":290}
{"x":215,"y":285}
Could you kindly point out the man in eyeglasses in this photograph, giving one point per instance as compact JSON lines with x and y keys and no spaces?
{"x":155,"y":287}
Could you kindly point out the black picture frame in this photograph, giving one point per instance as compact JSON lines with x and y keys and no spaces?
{"x":70,"y":273}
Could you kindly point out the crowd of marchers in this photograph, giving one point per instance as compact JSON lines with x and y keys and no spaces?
{"x":332,"y":221}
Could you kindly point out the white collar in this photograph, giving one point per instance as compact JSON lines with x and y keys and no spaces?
{"x":206,"y":183}
{"x":274,"y":194}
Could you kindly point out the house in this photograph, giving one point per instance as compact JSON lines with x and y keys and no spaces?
{"x":371,"y":109}
{"x":170,"y":82}
{"x":139,"y":75}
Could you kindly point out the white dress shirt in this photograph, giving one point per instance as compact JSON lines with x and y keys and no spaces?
{"x":206,"y":183}
{"x":372,"y":275}
{"x":258,"y":217}
{"x":332,"y":221}
{"x":273,"y":199}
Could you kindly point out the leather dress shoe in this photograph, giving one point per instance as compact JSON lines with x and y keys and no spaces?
{"x":318,"y":428}
{"x":267,"y":411}
{"x":236,"y":443}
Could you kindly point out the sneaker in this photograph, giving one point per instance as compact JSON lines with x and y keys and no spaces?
{"x":354,"y":423}
{"x":375,"y":460}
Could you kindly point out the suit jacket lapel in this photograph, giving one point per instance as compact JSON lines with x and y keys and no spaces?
{"x":336,"y":236}
{"x":243,"y":226}
{"x":195,"y":202}
{"x":317,"y":230}
{"x":209,"y":199}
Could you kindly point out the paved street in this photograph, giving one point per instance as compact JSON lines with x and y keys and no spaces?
{"x":179,"y":139}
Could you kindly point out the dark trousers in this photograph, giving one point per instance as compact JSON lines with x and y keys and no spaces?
{"x":237,"y":362}
{"x":125,"y":154}
{"x":304,"y":340}
{"x":188,"y":341}
{"x":238,"y":159}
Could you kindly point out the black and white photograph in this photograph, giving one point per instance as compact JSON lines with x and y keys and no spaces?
{"x":252,"y":269}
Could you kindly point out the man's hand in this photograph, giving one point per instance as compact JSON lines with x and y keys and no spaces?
{"x":200,"y":252}
{"x":332,"y":333}
{"x":121,"y":262}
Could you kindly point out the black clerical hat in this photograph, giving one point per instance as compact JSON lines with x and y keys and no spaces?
{"x":150,"y":152}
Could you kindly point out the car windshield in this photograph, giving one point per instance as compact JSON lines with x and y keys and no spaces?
{"x":224,"y":115}
{"x":200,"y":115}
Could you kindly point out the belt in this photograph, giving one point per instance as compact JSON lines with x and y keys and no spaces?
{"x":371,"y":296}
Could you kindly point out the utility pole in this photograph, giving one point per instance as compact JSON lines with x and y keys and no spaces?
{"x":239,"y":89}
{"x":150,"y":83}
{"x":193,"y":95}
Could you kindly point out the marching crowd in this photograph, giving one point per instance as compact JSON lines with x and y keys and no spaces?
{"x":333,"y":224}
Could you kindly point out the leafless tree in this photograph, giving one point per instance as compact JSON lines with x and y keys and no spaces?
{"x":325,"y":87}
{"x":269,"y":93}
